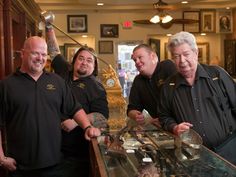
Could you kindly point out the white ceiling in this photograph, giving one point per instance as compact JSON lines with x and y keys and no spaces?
{"x":128,"y":5}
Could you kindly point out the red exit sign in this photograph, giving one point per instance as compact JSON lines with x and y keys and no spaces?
{"x":127,"y":24}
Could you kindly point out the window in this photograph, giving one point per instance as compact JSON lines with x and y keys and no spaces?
{"x":126,"y":67}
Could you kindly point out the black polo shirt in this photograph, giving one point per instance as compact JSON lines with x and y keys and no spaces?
{"x":31,"y":112}
{"x":92,"y":96}
{"x":144,"y":92}
{"x":200,"y":104}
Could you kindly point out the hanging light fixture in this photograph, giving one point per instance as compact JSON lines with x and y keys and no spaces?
{"x":155,"y":19}
{"x":162,"y":17}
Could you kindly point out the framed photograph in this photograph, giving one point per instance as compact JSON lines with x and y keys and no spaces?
{"x":155,"y":44}
{"x":77,"y":23}
{"x":224,"y":21}
{"x":109,"y":30}
{"x":62,"y":49}
{"x":192,"y":27}
{"x":208,"y":18}
{"x":70,"y":50}
{"x":105,"y":47}
{"x":203,"y":52}
{"x":167,"y":53}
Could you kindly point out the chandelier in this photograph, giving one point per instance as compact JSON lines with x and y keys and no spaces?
{"x":162,"y":17}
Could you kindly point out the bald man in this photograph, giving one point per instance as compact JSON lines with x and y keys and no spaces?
{"x":32,"y":104}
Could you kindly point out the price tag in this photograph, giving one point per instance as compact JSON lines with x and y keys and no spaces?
{"x":130,"y":151}
{"x":147,"y":159}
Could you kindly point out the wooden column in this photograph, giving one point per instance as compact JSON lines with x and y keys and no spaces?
{"x":8,"y":38}
{"x":3,"y":172}
{"x":18,"y":27}
{"x":2,"y":61}
{"x":233,"y":35}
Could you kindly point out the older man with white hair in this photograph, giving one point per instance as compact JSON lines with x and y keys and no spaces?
{"x":200,"y":97}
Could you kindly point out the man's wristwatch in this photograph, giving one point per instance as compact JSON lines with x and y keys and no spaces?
{"x":90,"y":126}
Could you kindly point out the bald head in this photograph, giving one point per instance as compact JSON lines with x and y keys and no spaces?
{"x":31,"y":41}
{"x":34,"y":56}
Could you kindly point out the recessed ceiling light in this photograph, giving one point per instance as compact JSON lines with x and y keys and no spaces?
{"x":227,"y":7}
{"x":100,"y":4}
{"x":184,"y":2}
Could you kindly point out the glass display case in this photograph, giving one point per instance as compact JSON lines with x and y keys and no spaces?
{"x":153,"y":153}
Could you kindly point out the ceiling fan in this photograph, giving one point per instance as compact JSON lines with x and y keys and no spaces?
{"x":162,"y":17}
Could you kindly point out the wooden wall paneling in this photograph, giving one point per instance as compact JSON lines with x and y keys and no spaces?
{"x":2,"y":61}
{"x":32,"y":15}
{"x":3,"y":172}
{"x":26,"y":14}
{"x":230,"y":56}
{"x":8,"y":38}
{"x":18,"y":27}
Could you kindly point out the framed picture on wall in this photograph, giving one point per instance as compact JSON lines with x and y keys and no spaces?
{"x":193,"y":27}
{"x":208,"y":18}
{"x":105,"y":47}
{"x":109,"y":30}
{"x":155,"y":44}
{"x":77,"y":23}
{"x":167,"y":53}
{"x":224,"y":21}
{"x":203,"y":52}
{"x":70,"y":50}
{"x":62,"y":49}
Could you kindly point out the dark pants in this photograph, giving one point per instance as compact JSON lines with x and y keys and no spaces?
{"x":54,"y":171}
{"x":73,"y":167}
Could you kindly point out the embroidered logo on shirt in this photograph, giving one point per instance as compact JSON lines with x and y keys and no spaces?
{"x":160,"y":82}
{"x":51,"y":87}
{"x":81,"y":85}
{"x":215,"y":78}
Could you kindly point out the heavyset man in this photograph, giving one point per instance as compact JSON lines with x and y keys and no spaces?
{"x":145,"y":89}
{"x":81,"y":77}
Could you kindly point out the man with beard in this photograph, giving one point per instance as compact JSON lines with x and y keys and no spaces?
{"x":200,"y":97}
{"x":81,"y":77}
{"x":31,"y":104}
{"x":144,"y":93}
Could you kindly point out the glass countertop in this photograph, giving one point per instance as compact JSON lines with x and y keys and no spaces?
{"x":153,"y":153}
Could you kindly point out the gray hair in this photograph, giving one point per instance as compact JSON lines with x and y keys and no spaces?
{"x":182,"y":38}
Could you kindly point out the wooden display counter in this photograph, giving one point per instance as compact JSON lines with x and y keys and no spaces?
{"x":98,"y":168}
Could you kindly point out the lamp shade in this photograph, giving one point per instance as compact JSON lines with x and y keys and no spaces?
{"x":161,"y":17}
{"x":155,"y":19}
{"x":166,"y":19}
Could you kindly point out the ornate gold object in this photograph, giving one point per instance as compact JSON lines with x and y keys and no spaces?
{"x":116,"y":101}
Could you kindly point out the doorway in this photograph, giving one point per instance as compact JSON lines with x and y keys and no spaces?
{"x":126,"y":66}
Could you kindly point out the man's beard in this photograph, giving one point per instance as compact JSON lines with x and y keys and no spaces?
{"x":82,"y":73}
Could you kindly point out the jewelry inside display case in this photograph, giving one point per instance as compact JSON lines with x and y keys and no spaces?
{"x":150,"y":151}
